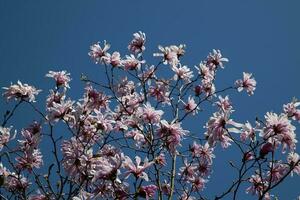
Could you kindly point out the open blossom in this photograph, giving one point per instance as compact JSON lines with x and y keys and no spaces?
{"x":191,"y":106}
{"x":94,"y":99}
{"x":147,"y":191}
{"x":98,"y":53}
{"x":5,"y":136}
{"x":106,"y":163}
{"x":138,"y":169}
{"x":55,"y":97}
{"x":258,"y":185}
{"x":62,"y":78}
{"x":160,"y":92}
{"x":172,"y":134}
{"x":291,"y":109}
{"x":16,"y":182}
{"x":30,"y":160}
{"x":171,"y":53}
{"x":132,"y":63}
{"x":294,"y":161}
{"x":247,"y":131}
{"x":137,"y":136}
{"x":205,"y":72}
{"x":279,"y":130}
{"x":215,"y":59}
{"x":149,"y":114}
{"x":187,"y":171}
{"x":182,"y":72}
{"x":125,"y":87}
{"x":216,"y":130}
{"x":204,"y":152}
{"x":114,"y":59}
{"x":198,"y":183}
{"x":277,"y":171}
{"x":76,"y":158}
{"x":30,"y":140}
{"x":137,"y":44}
{"x":22,"y":91}
{"x":103,"y":121}
{"x":224,"y":104}
{"x":248,"y":83}
{"x":60,"y":110}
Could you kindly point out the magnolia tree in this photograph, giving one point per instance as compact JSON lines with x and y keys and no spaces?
{"x":127,"y":138}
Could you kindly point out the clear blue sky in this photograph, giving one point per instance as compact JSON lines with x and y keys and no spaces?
{"x":257,"y":36}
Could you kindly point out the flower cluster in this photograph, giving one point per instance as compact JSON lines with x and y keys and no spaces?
{"x":129,"y":136}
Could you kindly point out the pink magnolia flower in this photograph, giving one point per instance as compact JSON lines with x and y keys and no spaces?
{"x":21,"y":91}
{"x":125,"y":87}
{"x":188,"y":171}
{"x":97,"y":53}
{"x":216,"y":130}
{"x":114,"y":59}
{"x":30,"y":140}
{"x":160,"y":92}
{"x":147,"y":191}
{"x":60,"y":110}
{"x":247,"y":83}
{"x":76,"y":158}
{"x":55,"y":97}
{"x":279,"y":129}
{"x":208,"y":87}
{"x":170,"y":54}
{"x":138,"y":169}
{"x":182,"y":72}
{"x":294,"y":161}
{"x":204,"y":168}
{"x":198,"y":183}
{"x":291,"y":110}
{"x":62,"y":78}
{"x":5,"y":136}
{"x":215,"y":59}
{"x":224,"y":104}
{"x":277,"y":171}
{"x":106,"y":163}
{"x":172,"y":134}
{"x":248,"y":132}
{"x":94,"y":99}
{"x":205,"y":72}
{"x":137,"y":136}
{"x":137,"y":44}
{"x":30,"y":160}
{"x":191,"y":106}
{"x":103,"y":121}
{"x":16,"y":182}
{"x":258,"y":185}
{"x":149,"y":114}
{"x":132,"y":63}
{"x":205,"y":152}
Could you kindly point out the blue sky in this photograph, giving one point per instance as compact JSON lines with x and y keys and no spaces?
{"x":261,"y":37}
